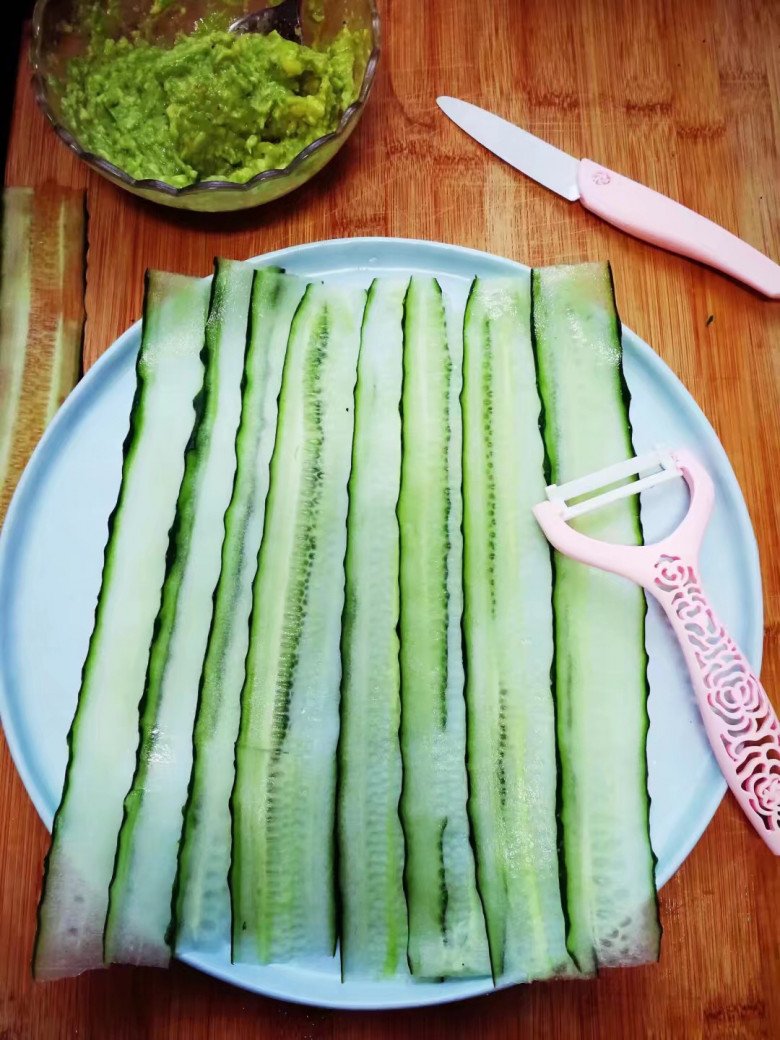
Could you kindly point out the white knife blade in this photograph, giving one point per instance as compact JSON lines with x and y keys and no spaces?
{"x":530,"y":155}
{"x":627,"y":204}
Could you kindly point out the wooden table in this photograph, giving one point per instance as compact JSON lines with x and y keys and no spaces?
{"x":683,"y":96}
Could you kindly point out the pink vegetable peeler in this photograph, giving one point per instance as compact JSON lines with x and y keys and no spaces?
{"x":738,"y":717}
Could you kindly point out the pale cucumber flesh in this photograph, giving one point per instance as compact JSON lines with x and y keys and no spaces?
{"x":203,"y":899}
{"x":103,"y":737}
{"x":140,"y":903}
{"x":282,"y":876}
{"x":508,"y":634}
{"x":600,"y":658}
{"x":446,"y":924}
{"x":371,"y":843}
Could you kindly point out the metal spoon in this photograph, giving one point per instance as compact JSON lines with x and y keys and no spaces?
{"x":284,"y":18}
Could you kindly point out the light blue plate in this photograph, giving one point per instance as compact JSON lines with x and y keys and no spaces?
{"x":51,"y":554}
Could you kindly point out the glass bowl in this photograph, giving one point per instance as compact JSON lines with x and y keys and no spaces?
{"x":58,"y":36}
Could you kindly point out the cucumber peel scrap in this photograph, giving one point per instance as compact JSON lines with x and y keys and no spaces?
{"x":44,"y":248}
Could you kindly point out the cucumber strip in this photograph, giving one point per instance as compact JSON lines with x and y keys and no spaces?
{"x":103,"y":737}
{"x":371,"y":844}
{"x":600,"y":658}
{"x":41,"y":317}
{"x":202,"y":917}
{"x":508,"y":630}
{"x":446,"y":925}
{"x":282,"y":877}
{"x":140,"y":902}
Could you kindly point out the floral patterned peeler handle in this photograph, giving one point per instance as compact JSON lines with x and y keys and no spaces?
{"x":741,"y":724}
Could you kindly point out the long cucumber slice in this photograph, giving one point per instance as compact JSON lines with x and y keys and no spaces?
{"x":508,"y":629}
{"x":44,"y":248}
{"x":139,"y":914}
{"x":371,"y":843}
{"x":282,"y":877}
{"x":104,"y":732}
{"x":600,"y":658}
{"x":446,"y":925}
{"x":203,"y":903}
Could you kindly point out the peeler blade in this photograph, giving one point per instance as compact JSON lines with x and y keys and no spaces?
{"x":654,"y":467}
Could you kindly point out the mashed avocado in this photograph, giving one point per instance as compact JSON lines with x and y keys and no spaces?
{"x":211,"y":105}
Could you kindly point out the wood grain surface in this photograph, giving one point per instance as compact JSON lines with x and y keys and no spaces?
{"x":684,"y":97}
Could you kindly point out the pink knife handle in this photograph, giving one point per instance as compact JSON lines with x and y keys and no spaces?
{"x":660,"y":220}
{"x":743,"y":729}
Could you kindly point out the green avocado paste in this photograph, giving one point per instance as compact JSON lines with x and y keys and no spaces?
{"x":212,"y":105}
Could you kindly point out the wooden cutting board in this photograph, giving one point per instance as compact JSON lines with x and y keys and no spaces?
{"x":684,"y":97}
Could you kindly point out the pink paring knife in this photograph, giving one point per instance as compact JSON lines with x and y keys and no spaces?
{"x":738,"y":717}
{"x":630,"y":206}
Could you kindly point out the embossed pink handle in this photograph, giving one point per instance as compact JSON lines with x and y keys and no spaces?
{"x":740,"y":721}
{"x":741,"y":724}
{"x":660,"y":220}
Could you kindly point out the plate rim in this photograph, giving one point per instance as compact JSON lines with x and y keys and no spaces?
{"x":113,"y":356}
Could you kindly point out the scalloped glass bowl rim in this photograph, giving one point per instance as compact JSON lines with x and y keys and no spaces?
{"x":210,"y":186}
